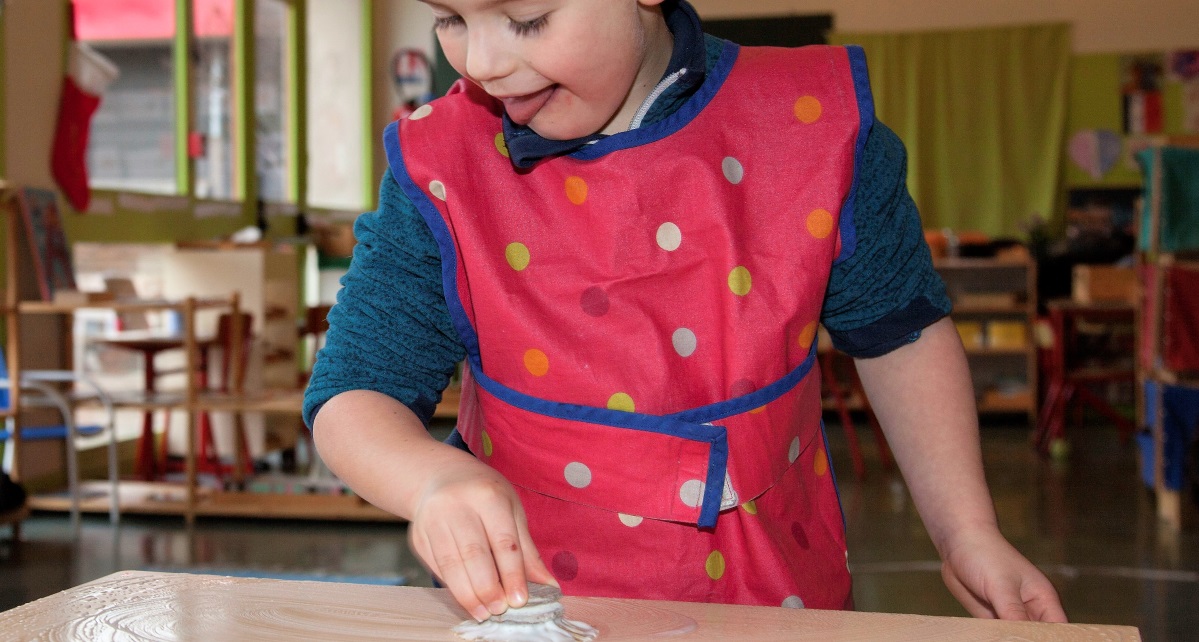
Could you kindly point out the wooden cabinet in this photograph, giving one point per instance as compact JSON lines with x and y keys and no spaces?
{"x":994,"y":308}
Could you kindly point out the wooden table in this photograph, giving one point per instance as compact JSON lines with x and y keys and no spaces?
{"x":165,"y":606}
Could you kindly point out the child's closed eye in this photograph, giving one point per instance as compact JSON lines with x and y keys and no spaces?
{"x":529,"y":27}
{"x":446,"y":22}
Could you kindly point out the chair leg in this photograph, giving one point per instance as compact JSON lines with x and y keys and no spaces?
{"x":851,"y":435}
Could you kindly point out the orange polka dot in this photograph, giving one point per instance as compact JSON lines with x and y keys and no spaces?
{"x":807,"y":335}
{"x":808,"y":109}
{"x":820,"y":223}
{"x":757,"y":411}
{"x":536,"y":362}
{"x":820,"y":465}
{"x":576,"y":190}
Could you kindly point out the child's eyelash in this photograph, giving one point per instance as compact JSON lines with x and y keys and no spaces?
{"x":530,"y":27}
{"x":445,"y":22}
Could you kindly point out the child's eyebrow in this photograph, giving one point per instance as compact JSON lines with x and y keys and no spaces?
{"x":486,"y":5}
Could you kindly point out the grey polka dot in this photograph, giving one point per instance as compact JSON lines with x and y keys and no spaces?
{"x":421,"y":112}
{"x":670,"y":237}
{"x":793,"y":452}
{"x":578,"y":475}
{"x":684,"y":342}
{"x":631,"y":521}
{"x":437,"y":188}
{"x":793,"y":602}
{"x":692,"y":493}
{"x":733,"y":170}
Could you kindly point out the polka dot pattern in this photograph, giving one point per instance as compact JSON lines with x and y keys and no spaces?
{"x":807,"y":336}
{"x":800,"y":537}
{"x":684,"y":342}
{"x":750,"y":507}
{"x":740,"y":280}
{"x":576,"y":190}
{"x":488,"y":447}
{"x":565,"y":566}
{"x":820,"y":465}
{"x":578,"y":475}
{"x":793,"y":451}
{"x":669,"y":236}
{"x":808,"y":109}
{"x":536,"y":362}
{"x":421,"y":112}
{"x":692,"y":493}
{"x":501,"y":145}
{"x":517,"y":255}
{"x":714,"y":565}
{"x":632,"y":521}
{"x":437,"y":188}
{"x":792,"y":602}
{"x":621,"y":401}
{"x":594,"y":301}
{"x":820,"y":223}
{"x":733,"y":170}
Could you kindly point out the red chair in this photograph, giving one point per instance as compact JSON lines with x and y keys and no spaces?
{"x":1072,"y":372}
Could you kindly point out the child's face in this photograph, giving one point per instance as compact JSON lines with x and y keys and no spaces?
{"x":565,"y":68}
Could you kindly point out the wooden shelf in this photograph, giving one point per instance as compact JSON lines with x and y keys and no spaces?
{"x":163,"y":498}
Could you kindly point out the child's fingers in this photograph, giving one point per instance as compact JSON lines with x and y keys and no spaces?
{"x":534,"y":568}
{"x":477,"y":558}
{"x":509,"y":553}
{"x":446,"y":562}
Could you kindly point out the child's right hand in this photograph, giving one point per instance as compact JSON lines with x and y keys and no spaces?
{"x":469,"y":529}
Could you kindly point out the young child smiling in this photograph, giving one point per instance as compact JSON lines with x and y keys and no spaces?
{"x":630,"y":232}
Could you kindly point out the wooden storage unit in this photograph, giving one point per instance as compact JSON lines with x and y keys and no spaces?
{"x":1155,"y":257}
{"x":995,"y":307}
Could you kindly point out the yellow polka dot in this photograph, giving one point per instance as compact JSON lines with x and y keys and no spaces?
{"x":621,"y":401}
{"x":501,"y":145}
{"x":807,"y":336}
{"x":517,"y":255}
{"x":750,"y":507}
{"x":536,"y":362}
{"x":820,"y":224}
{"x":576,"y":190}
{"x":715,"y":565}
{"x":807,"y":109}
{"x":820,"y":466}
{"x":488,"y":448}
{"x":740,"y":281}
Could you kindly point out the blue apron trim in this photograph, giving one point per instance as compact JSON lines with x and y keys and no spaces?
{"x":861,"y":84}
{"x":441,"y":233}
{"x":715,"y":436}
{"x":828,"y":454}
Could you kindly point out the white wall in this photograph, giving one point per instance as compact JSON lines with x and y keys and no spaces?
{"x":1099,"y":25}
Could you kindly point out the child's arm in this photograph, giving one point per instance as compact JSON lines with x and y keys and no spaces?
{"x":923,"y":396}
{"x":467,"y":524}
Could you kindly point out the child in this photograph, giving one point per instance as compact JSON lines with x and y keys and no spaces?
{"x":629,"y":231}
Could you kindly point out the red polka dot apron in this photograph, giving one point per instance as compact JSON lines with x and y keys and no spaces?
{"x":640,"y":319}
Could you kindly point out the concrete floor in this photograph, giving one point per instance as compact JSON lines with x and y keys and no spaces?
{"x":1086,"y":521}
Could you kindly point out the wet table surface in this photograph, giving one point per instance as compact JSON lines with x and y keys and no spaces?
{"x":134,"y":605}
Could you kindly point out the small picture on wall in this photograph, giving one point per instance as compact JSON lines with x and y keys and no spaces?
{"x":51,"y":257}
{"x":1141,"y":88}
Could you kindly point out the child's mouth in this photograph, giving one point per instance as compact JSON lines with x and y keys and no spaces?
{"x":522,"y":109}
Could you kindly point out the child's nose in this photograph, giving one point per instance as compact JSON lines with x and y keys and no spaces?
{"x":487,"y":56}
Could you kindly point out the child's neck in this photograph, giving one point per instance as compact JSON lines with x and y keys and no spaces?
{"x":658,"y":48}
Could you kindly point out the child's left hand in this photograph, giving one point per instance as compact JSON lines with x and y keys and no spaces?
{"x":993,"y":580}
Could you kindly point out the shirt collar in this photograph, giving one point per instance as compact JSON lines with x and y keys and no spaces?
{"x":526,"y":147}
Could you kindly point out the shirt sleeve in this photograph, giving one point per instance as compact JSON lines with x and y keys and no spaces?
{"x":887,"y":291}
{"x":390,"y":331}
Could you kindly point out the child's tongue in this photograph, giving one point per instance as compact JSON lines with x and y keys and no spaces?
{"x":522,"y":109}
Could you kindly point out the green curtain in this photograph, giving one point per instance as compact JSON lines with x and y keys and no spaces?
{"x":983,"y":115}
